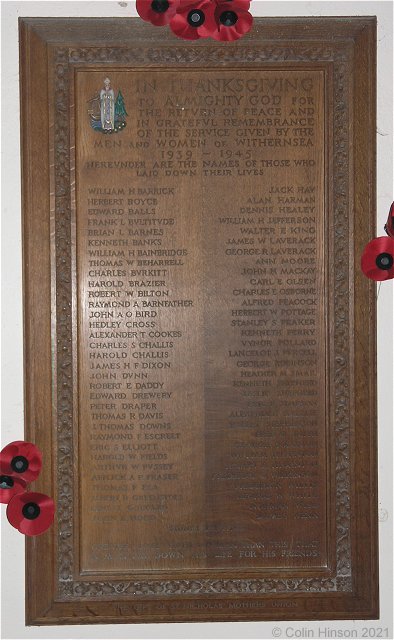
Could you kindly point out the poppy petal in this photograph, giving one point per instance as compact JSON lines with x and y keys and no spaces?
{"x":9,"y":487}
{"x":31,"y":513}
{"x":21,"y":459}
{"x":243,"y":5}
{"x":157,"y":12}
{"x":377,"y":261}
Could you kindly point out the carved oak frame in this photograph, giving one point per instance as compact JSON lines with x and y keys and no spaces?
{"x":51,"y":52}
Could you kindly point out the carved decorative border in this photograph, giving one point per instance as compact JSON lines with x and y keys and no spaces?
{"x":341,"y":319}
{"x":199,"y":587}
{"x":169,"y":56}
{"x":64,"y":369}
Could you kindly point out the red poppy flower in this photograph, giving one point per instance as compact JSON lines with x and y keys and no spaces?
{"x":232,"y":19}
{"x":31,"y":513}
{"x":21,"y":459}
{"x":9,"y":487}
{"x":389,"y":226}
{"x":194,"y":20}
{"x":377,"y":261}
{"x":157,"y":12}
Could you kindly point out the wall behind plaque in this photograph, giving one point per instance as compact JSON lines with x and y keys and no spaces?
{"x":12,"y":569}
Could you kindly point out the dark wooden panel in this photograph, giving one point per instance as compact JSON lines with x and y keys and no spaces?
{"x":211,"y":411}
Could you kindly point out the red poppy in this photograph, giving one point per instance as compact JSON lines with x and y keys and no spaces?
{"x":21,"y":459}
{"x":389,"y":226}
{"x":31,"y":513}
{"x":232,"y":20}
{"x":157,"y":12}
{"x":377,"y":261}
{"x":194,"y":20}
{"x":9,"y":487}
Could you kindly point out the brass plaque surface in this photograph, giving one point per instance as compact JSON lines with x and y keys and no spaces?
{"x":196,"y":227}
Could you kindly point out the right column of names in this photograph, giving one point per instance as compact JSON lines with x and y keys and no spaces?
{"x":265,"y":368}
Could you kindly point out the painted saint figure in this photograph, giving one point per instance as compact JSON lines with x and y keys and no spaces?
{"x":107,"y":100}
{"x":107,"y":114}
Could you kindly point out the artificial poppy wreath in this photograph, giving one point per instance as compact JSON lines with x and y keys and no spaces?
{"x":224,"y":20}
{"x":377,"y":261}
{"x":29,"y":512}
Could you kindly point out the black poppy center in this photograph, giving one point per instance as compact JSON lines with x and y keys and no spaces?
{"x":384,"y":261}
{"x":6,"y":482}
{"x":19,"y":464}
{"x":160,"y":6}
{"x":31,"y":510}
{"x":228,"y":18}
{"x":196,"y":18}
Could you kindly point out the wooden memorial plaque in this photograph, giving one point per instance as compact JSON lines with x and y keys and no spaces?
{"x":200,"y":351}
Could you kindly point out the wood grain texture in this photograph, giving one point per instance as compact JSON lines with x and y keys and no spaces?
{"x":62,"y":63}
